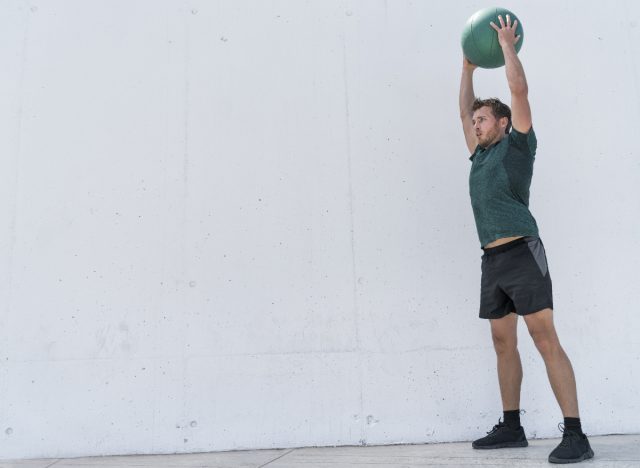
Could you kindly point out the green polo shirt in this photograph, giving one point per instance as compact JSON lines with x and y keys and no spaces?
{"x":499,"y":187}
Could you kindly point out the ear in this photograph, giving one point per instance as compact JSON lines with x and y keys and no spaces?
{"x":504,"y":121}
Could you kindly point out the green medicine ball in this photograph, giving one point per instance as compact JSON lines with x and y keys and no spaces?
{"x":480,"y":41}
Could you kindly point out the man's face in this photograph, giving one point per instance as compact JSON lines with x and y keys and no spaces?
{"x":486,"y":126}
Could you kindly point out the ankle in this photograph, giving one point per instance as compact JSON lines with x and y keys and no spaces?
{"x":573,"y":424}
{"x":512,"y":418}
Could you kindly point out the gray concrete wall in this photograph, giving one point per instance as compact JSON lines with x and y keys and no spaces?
{"x":245,"y":224}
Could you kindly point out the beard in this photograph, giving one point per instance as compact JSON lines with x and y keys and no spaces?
{"x":489,"y":137}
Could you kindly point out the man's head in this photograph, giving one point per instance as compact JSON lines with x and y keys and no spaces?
{"x":491,"y":120}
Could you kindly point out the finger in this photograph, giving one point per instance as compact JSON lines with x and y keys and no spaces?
{"x":517,"y":39}
{"x":508,"y":20}
{"x":493,"y":25}
{"x":515,"y":24}
{"x":501,"y":20}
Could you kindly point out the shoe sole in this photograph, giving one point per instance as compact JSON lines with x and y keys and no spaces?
{"x":584,"y":456}
{"x":522,"y":443}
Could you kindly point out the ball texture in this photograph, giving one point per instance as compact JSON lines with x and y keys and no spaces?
{"x":480,"y":41}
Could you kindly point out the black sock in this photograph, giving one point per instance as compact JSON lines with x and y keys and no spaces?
{"x":573,"y":424}
{"x":512,"y":418}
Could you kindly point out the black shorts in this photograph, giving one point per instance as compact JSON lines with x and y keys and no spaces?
{"x":515,"y":278}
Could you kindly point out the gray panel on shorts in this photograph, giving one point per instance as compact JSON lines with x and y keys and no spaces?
{"x":537,"y":249}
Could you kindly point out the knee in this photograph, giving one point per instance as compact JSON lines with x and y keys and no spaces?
{"x":546,"y":342}
{"x":504,"y":344}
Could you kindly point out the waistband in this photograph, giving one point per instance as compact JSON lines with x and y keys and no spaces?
{"x":508,"y":246}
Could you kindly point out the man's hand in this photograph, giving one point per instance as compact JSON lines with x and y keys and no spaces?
{"x":467,"y":64}
{"x":506,"y":32}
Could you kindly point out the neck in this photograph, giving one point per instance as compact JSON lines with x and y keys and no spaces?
{"x":498,"y":139}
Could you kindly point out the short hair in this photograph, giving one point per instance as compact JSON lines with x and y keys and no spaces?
{"x":498,"y":108}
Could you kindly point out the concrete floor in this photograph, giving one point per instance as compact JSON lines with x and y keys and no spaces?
{"x":611,"y":451}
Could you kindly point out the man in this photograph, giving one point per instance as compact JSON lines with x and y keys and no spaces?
{"x":515,"y":277}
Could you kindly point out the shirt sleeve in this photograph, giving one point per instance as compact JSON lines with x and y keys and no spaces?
{"x":476,"y":151}
{"x":525,"y":141}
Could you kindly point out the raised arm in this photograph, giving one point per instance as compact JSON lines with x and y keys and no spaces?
{"x":466,"y":102}
{"x":520,"y":109}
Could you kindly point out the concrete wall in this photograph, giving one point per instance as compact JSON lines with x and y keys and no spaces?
{"x":246,"y":224}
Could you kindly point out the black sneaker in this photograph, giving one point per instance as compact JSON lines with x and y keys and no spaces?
{"x":502,"y":436}
{"x":573,"y":449}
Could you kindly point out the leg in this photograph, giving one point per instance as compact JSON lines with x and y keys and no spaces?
{"x":505,"y":342}
{"x":559,"y":370}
